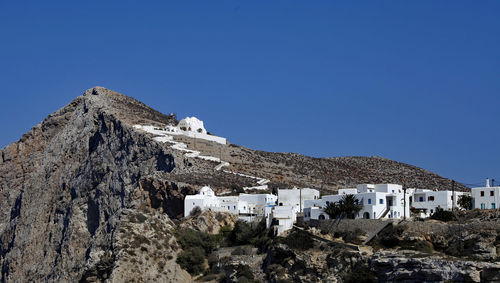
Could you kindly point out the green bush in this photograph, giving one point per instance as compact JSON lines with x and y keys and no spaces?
{"x":192,"y":260}
{"x":300,"y":240}
{"x":188,"y":238}
{"x":242,"y":233}
{"x":196,"y":211}
{"x":443,"y":215}
{"x":244,"y":273}
{"x":242,"y":250}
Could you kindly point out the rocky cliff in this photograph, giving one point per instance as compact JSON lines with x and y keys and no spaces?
{"x":86,"y":196}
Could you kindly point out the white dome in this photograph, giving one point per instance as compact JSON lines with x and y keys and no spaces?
{"x":206,"y":191}
{"x":192,"y":124}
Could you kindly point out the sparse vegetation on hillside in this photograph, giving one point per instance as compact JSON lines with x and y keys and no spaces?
{"x":443,"y":215}
{"x":465,"y":202}
{"x":299,"y":239}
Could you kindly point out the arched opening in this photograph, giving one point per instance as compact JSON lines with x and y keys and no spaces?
{"x":366,"y":215}
{"x":321,"y":217}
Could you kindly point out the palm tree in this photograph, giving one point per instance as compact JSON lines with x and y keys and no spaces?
{"x":349,"y":205}
{"x":333,"y":210}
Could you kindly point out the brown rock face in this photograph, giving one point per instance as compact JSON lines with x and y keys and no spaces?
{"x":65,"y":184}
{"x":69,"y":186}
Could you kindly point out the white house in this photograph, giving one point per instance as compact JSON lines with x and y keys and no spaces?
{"x":428,"y":201}
{"x":296,"y":197}
{"x":282,"y":217}
{"x":233,"y":204}
{"x":486,"y":197}
{"x":247,"y":206}
{"x":378,"y":201}
{"x":205,"y":199}
{"x":192,"y":124}
{"x":257,"y":202}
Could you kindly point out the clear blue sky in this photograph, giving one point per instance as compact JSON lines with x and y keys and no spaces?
{"x":417,"y":82}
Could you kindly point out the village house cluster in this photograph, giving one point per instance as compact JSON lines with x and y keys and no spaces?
{"x":377,"y":201}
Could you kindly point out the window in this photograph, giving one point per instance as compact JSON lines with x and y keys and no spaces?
{"x":393,"y":191}
{"x":482,"y":193}
{"x":235,"y":207}
{"x":420,"y":199}
{"x":493,"y":205}
{"x":451,"y":197}
{"x":327,"y":203}
{"x":381,"y":201}
{"x":432,"y":211}
{"x":492,"y":193}
{"x":430,"y":198}
{"x":483,"y":206}
{"x":369,"y":201}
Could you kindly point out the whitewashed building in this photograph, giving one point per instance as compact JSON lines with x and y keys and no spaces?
{"x":296,"y":197}
{"x":205,"y":199}
{"x":427,"y":201}
{"x":377,"y":201}
{"x":192,"y":124}
{"x":280,"y":217}
{"x":257,"y":202}
{"x":246,"y":205}
{"x":486,"y":197}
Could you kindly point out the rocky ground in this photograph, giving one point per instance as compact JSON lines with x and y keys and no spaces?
{"x":73,"y":189}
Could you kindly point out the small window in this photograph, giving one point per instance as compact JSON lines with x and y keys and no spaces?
{"x":393,"y":191}
{"x":492,"y":193}
{"x":430,"y":198}
{"x":493,"y":205}
{"x":483,"y":206}
{"x":421,"y":199}
{"x":235,"y":207}
{"x":369,"y":201}
{"x":482,"y":193}
{"x":451,"y":197}
{"x":381,"y":201}
{"x":432,"y":210}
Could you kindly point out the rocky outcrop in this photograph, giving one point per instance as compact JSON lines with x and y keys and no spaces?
{"x":412,"y":267}
{"x":65,"y":184}
{"x":209,"y":222}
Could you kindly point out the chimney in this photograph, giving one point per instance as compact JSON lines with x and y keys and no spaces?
{"x":487,"y":182}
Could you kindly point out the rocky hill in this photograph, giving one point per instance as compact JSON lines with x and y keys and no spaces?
{"x":85,"y":195}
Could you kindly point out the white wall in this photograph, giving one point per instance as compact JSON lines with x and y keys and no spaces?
{"x":294,"y":196}
{"x":375,"y":204}
{"x":257,"y":202}
{"x":431,"y":200}
{"x":285,"y":215}
{"x":486,"y":201}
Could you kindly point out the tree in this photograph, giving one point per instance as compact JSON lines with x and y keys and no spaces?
{"x":465,"y":202}
{"x":347,"y":207}
{"x":333,"y":210}
{"x":242,"y":233}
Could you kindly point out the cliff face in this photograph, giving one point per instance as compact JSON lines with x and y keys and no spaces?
{"x":65,"y":184}
{"x":84,"y":195}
